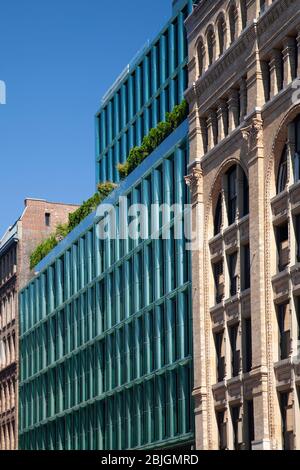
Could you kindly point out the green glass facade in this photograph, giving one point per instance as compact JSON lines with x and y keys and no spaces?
{"x":106,"y":344}
{"x":153,"y":84}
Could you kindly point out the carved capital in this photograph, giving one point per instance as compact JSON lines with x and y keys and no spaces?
{"x":253,"y":134}
{"x":194,"y":180}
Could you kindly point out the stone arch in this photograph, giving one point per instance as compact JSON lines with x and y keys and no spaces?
{"x":221,"y":27}
{"x":200,"y":56}
{"x":279,"y":142}
{"x":215,"y":190}
{"x":270,"y":189}
{"x":211,"y":44}
{"x":232,"y":22}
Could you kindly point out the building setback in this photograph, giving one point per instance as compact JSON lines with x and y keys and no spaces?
{"x":244,"y":178}
{"x":38,"y":220}
{"x":106,"y":350}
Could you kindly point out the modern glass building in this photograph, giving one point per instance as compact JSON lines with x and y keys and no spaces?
{"x":106,"y":346}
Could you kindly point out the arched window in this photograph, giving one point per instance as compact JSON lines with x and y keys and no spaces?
{"x":232,"y":22}
{"x":237,"y":193}
{"x":201,"y":57}
{"x":232,"y":194}
{"x":282,"y":172}
{"x":221,"y":34}
{"x":243,"y":13}
{"x":211,"y":46}
{"x":218,"y":216}
{"x":245,"y":195}
{"x":296,"y":156}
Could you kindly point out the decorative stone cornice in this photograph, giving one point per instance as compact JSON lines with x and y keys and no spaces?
{"x":273,"y":13}
{"x":219,"y":67}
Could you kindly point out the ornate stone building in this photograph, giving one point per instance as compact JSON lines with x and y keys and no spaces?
{"x":37,"y":221}
{"x":244,"y":58}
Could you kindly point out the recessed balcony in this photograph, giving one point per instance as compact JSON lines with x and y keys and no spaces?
{"x":231,"y":238}
{"x":283,"y":373}
{"x":280,"y":283}
{"x":279,"y":205}
{"x":216,"y":248}
{"x":217,"y":317}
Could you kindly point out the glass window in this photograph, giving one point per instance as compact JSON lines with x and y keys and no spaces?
{"x":232,"y":194}
{"x":282,"y":172}
{"x":218,"y":216}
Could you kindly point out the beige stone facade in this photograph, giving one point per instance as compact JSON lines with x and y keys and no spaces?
{"x":38,"y":220}
{"x":244,"y":58}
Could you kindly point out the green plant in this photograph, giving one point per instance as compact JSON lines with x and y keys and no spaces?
{"x":62,"y":231}
{"x":155,"y":137}
{"x":178,"y":114}
{"x":106,"y":188}
{"x":123,"y":170}
{"x":135,"y":157}
{"x":84,"y":210}
{"x":42,"y":250}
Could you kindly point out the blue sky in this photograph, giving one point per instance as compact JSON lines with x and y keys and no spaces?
{"x":58,"y":57}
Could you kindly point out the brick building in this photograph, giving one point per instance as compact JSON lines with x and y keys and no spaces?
{"x":244,"y":57}
{"x":38,"y":220}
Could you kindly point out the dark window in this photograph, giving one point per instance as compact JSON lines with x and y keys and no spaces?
{"x":222,"y":429}
{"x":210,"y":46}
{"x":232,"y":22}
{"x":284,"y":330}
{"x":235,"y":354}
{"x":245,"y":195}
{"x":286,"y":410}
{"x":232,"y":262}
{"x":47,"y":219}
{"x":247,"y":353}
{"x":201,"y":57}
{"x":219,"y":344}
{"x":219,"y":281}
{"x":298,"y":323}
{"x":244,"y":13}
{"x":249,"y":411}
{"x":218,"y":216}
{"x":232,"y":194}
{"x":282,"y":236}
{"x":282,"y":172}
{"x":296,"y":157}
{"x":246,"y":267}
{"x":297,"y":234}
{"x":236,"y":427}
{"x":221,"y":34}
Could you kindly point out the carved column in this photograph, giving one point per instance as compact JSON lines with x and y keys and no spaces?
{"x":275,"y":73}
{"x":298,"y":55}
{"x":243,"y":99}
{"x":289,"y":63}
{"x":262,"y":368}
{"x":222,"y":117}
{"x":210,"y":131}
{"x":233,"y":110}
{"x":200,"y":389}
{"x":197,"y":133}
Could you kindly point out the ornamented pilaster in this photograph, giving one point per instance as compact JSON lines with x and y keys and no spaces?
{"x":194,"y":181}
{"x":233,"y":106}
{"x":289,"y":63}
{"x":222,"y":117}
{"x":275,"y":73}
{"x":200,"y":391}
{"x":253,"y":134}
